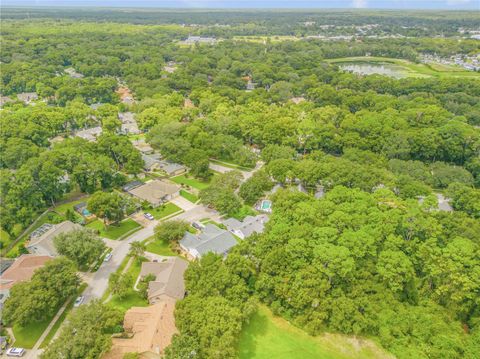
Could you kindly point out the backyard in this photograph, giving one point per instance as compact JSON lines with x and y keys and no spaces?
{"x":267,"y":336}
{"x":114,"y":231}
{"x":190,"y":181}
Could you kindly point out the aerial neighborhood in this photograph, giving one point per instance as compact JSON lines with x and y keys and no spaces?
{"x":239,"y":183}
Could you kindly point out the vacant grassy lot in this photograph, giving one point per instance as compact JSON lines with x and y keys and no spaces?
{"x":161,"y":248}
{"x":114,"y":231}
{"x":268,"y":337}
{"x":164,"y":211}
{"x":413,"y":69}
{"x":190,"y":181}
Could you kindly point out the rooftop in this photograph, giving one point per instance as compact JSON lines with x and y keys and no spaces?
{"x":211,"y":239}
{"x":168,"y":278}
{"x":151,"y":330}
{"x":42,"y":243}
{"x":155,"y":191}
{"x":248,"y":226}
{"x":22,"y":269}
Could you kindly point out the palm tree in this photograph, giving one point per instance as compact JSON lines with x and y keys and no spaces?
{"x":137,"y":249}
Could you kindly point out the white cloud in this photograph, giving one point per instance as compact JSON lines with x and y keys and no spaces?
{"x":359,"y":4}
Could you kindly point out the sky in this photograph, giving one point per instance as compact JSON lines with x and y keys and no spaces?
{"x":372,"y":4}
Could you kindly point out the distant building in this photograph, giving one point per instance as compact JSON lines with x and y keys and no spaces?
{"x":27,"y":97}
{"x":156,"y":192}
{"x":90,"y":134}
{"x":191,"y":40}
{"x":168,"y":282}
{"x":129,"y":124}
{"x":73,"y":73}
{"x":248,"y":226}
{"x":153,"y":162}
{"x":4,"y":100}
{"x":211,"y":239}
{"x":172,"y":168}
{"x":142,"y":146}
{"x":41,"y":240}
{"x":21,"y":270}
{"x":297,"y":100}
{"x":250,"y":85}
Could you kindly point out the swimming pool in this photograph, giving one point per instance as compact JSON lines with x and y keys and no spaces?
{"x":266,"y":205}
{"x":86,"y":212}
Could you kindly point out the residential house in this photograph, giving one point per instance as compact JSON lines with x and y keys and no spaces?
{"x":151,"y":161}
{"x":248,"y":226}
{"x":156,"y":192}
{"x":21,"y":270}
{"x":27,"y":97}
{"x":443,"y":203}
{"x":211,"y":239}
{"x":172,"y":168}
{"x":41,"y":240}
{"x":297,"y":100}
{"x":73,"y":73}
{"x":191,"y":40}
{"x":131,"y":185}
{"x":148,"y":331}
{"x":250,"y":85}
{"x":142,"y":146}
{"x":129,"y":124}
{"x":90,"y":134}
{"x":4,"y":100}
{"x":168,"y":282}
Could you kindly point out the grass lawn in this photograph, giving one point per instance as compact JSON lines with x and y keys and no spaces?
{"x":133,"y":298}
{"x":163,"y":211}
{"x":231,"y":165}
{"x":26,"y":337}
{"x":114,"y":231}
{"x":60,"y":320}
{"x":189,"y":196}
{"x":192,"y":182}
{"x":160,"y":247}
{"x":413,"y":69}
{"x":267,"y":336}
{"x":62,"y":209}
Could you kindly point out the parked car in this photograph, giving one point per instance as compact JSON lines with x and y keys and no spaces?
{"x":107,"y":257}
{"x":148,"y":216}
{"x":15,"y":352}
{"x":79,"y":301}
{"x":198,"y":225}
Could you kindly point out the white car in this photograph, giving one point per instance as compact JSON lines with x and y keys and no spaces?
{"x":15,"y":352}
{"x":148,"y":216}
{"x":78,"y":301}
{"x":108,"y":257}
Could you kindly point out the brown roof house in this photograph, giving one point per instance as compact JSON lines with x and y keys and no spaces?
{"x":21,"y":270}
{"x":168,"y":283}
{"x":149,"y":330}
{"x":41,"y":240}
{"x":156,"y":192}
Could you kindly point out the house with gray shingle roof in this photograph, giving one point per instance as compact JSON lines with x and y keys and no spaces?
{"x":41,"y":243}
{"x":248,"y":226}
{"x":168,"y":282}
{"x":211,"y":239}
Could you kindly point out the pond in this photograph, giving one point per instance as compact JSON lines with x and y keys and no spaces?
{"x":379,"y":68}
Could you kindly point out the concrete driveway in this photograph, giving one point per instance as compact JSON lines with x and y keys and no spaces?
{"x":183,"y":203}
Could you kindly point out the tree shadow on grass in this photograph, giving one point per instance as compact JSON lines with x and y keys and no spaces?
{"x":252,"y":333}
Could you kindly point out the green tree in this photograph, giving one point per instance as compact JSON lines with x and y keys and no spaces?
{"x":171,"y":231}
{"x":41,"y":297}
{"x":82,"y":246}
{"x":107,"y":205}
{"x":86,"y":333}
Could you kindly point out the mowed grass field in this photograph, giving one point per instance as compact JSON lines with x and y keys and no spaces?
{"x":413,"y":69}
{"x":268,"y":337}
